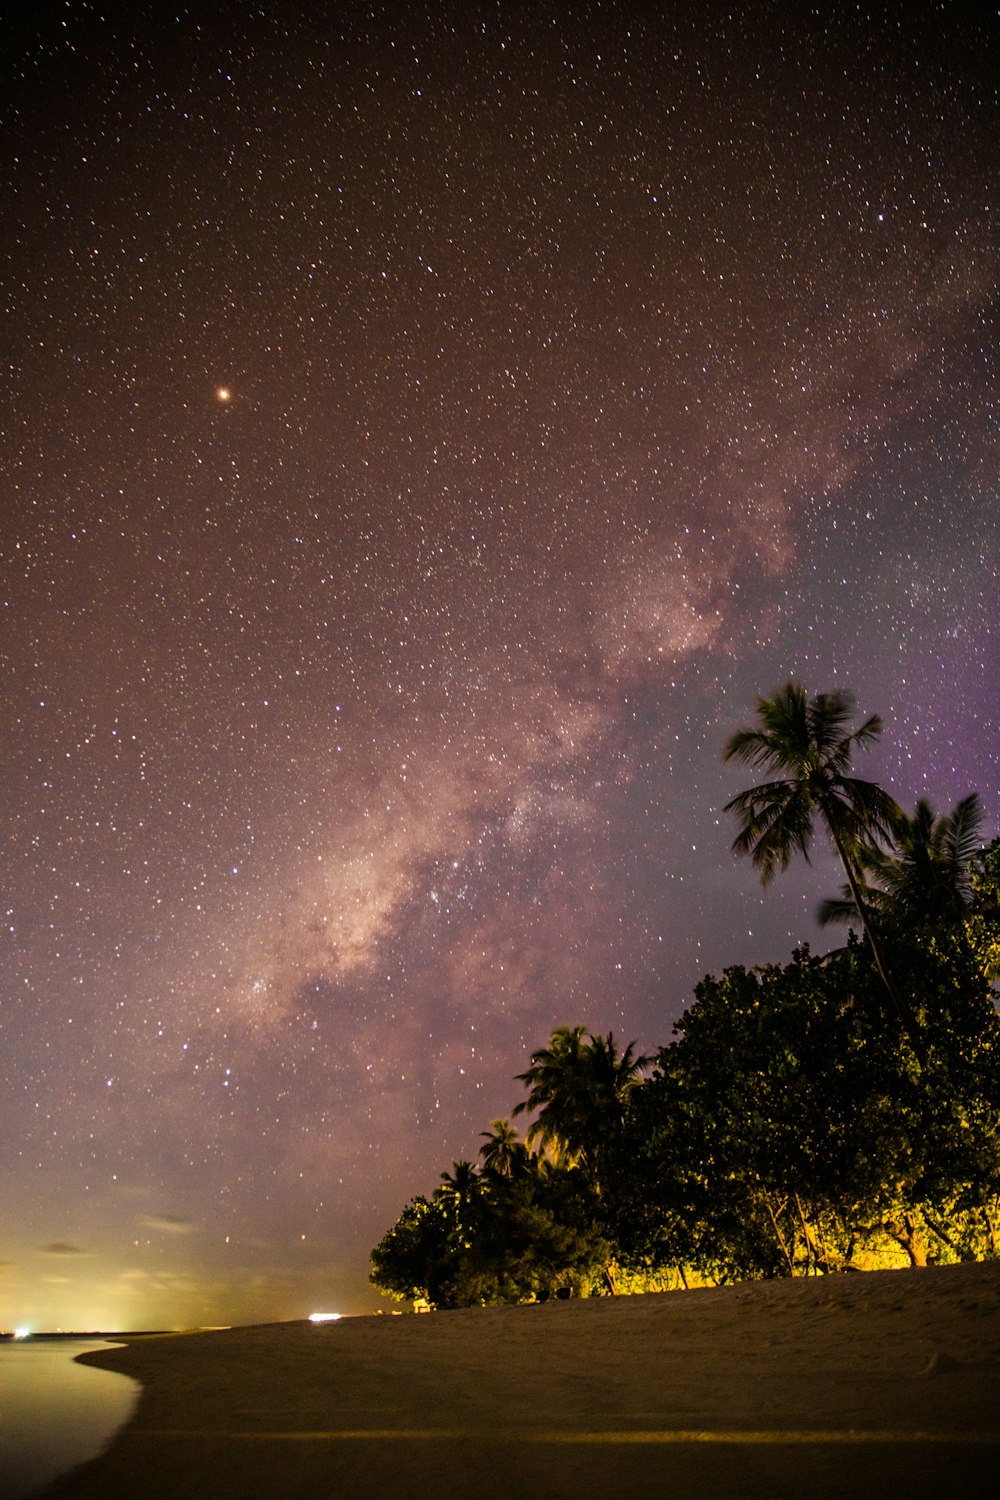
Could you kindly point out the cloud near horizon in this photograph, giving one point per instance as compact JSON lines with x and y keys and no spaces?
{"x":168,"y":1223}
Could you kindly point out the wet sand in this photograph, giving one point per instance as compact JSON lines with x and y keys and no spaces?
{"x":863,"y":1385}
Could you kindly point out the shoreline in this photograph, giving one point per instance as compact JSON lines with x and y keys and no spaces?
{"x":821,"y":1386}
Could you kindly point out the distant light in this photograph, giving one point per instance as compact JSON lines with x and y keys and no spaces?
{"x":323,"y":1317}
{"x":223,"y":393}
{"x":22,"y":1333}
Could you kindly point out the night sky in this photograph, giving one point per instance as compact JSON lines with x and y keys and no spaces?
{"x":421,"y":440}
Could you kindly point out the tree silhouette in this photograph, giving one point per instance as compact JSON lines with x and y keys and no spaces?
{"x":809,"y":742}
{"x":579,"y":1089}
{"x":786,"y":1129}
{"x":504,"y":1153}
{"x":459,"y":1185}
{"x":923,"y":879}
{"x":553,"y":1081}
{"x":983,"y":920}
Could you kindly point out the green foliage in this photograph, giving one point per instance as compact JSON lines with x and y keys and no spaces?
{"x":804,"y":1119}
{"x":922,"y":879}
{"x":983,"y":915}
{"x":786,"y":1130}
{"x":412,"y":1258}
{"x":579,"y":1085}
{"x":486,"y":1238}
{"x":504,"y":1154}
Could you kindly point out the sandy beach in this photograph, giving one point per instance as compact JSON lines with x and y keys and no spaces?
{"x":863,"y":1385}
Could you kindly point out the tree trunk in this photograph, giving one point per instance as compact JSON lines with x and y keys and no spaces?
{"x":905,"y":1234}
{"x":812,"y":1257}
{"x":902,"y":1009}
{"x":779,"y":1236}
{"x":945,"y":1237}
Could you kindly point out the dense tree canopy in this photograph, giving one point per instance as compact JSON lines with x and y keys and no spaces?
{"x":503,"y":1239}
{"x":790,"y":1127}
{"x":983,"y":916}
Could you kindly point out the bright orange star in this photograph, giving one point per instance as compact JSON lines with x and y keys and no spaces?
{"x":223,"y":393}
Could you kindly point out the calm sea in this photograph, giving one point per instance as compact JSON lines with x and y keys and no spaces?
{"x":54,"y":1414}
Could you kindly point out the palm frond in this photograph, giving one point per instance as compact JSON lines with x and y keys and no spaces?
{"x":827,"y":718}
{"x":870,"y":731}
{"x":837,"y":909}
{"x":922,"y":876}
{"x":811,"y":740}
{"x":749,"y":746}
{"x":966,"y":822}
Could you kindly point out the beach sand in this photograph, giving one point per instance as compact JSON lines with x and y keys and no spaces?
{"x":874,"y":1384}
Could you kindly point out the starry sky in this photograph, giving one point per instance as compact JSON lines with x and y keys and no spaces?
{"x":424,"y":431}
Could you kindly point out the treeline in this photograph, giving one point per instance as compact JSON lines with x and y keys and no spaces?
{"x":835,"y":1113}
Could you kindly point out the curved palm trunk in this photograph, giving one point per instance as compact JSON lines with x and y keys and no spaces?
{"x":902,"y":1009}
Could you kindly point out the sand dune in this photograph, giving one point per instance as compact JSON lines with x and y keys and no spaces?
{"x":866,"y":1385}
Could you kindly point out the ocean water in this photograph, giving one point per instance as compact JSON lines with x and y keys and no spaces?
{"x":55,"y":1414}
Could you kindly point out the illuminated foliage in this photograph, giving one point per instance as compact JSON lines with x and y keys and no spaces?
{"x":798,"y":1123}
{"x":787,"y":1130}
{"x":486,"y":1238}
{"x":983,"y":917}
{"x":580,"y":1086}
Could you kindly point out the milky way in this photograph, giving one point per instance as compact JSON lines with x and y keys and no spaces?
{"x":421,"y":440}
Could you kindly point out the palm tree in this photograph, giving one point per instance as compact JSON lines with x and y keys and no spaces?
{"x":809,"y":742}
{"x":614,"y":1075}
{"x":923,"y":879}
{"x":553,"y":1081}
{"x":459,"y":1185}
{"x":580,"y":1089}
{"x":504,"y":1153}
